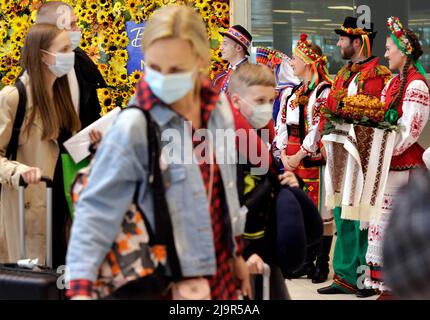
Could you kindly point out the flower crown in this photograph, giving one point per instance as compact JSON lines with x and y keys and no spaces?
{"x":304,"y":50}
{"x":269,"y":57}
{"x":354,"y":31}
{"x":399,"y":32}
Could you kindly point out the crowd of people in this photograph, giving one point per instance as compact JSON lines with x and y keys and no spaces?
{"x":167,"y":206}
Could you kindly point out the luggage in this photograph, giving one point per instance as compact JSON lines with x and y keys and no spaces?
{"x":39,"y":283}
{"x":261,"y":290}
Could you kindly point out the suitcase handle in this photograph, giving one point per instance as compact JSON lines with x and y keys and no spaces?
{"x":266,"y":282}
{"x":45,"y":179}
{"x":21,"y":187}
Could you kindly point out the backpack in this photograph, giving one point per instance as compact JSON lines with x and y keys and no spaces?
{"x":12,"y":147}
{"x":139,"y":271}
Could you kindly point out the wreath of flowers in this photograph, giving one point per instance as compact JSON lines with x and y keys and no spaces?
{"x":304,"y":49}
{"x":104,"y":37}
{"x":354,"y":31}
{"x":397,"y":30}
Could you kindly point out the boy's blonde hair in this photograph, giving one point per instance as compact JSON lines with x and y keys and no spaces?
{"x":248,"y":75}
{"x":178,"y":22}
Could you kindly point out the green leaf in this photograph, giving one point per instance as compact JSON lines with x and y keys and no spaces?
{"x":214,"y":44}
{"x":127,"y":15}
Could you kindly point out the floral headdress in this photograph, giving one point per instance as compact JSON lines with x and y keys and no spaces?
{"x":318,"y":62}
{"x":398,"y":35}
{"x":269,"y":57}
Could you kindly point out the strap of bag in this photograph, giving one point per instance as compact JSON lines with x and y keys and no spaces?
{"x":12,"y":148}
{"x":163,"y":233}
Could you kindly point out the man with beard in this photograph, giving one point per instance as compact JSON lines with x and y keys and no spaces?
{"x":361,"y":75}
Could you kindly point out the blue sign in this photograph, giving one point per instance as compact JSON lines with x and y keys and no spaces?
{"x":134,"y":48}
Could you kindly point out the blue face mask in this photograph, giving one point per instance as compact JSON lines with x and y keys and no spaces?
{"x":169,"y":88}
{"x":75,"y":38}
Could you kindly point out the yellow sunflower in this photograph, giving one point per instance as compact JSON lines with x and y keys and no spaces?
{"x":136,"y":76}
{"x":104,"y":3}
{"x":132,"y":5}
{"x":94,"y":53}
{"x":205,"y":10}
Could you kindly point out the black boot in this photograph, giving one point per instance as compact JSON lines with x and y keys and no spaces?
{"x":308,"y":269}
{"x":323,"y":258}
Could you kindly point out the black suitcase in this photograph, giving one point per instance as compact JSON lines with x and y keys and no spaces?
{"x":265,"y":287}
{"x":40,"y":283}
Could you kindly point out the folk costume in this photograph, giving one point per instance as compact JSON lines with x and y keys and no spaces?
{"x":298,"y":120}
{"x":411,"y":113}
{"x":297,"y":128}
{"x":241,"y":36}
{"x":365,"y":77}
{"x":285,"y":78}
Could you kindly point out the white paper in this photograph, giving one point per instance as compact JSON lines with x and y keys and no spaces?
{"x":28,"y":263}
{"x":78,"y":145}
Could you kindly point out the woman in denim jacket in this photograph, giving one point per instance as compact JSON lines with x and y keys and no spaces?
{"x":206,"y":218}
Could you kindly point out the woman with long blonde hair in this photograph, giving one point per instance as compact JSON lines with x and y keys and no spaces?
{"x":201,"y":197}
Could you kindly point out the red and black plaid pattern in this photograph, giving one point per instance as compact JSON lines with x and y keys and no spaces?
{"x":222,"y":284}
{"x":80,"y":287}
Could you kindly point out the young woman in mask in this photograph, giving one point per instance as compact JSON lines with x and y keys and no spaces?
{"x":49,"y":117}
{"x":201,"y":197}
{"x":298,"y":137}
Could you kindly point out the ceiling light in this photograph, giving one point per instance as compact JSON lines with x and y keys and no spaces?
{"x":340,"y":8}
{"x":288,"y":11}
{"x":280,"y":22}
{"x":318,"y":20}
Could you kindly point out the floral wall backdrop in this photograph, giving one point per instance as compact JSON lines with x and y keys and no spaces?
{"x":104,"y":37}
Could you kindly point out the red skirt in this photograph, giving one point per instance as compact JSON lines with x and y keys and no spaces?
{"x":310,"y":176}
{"x":412,"y":158}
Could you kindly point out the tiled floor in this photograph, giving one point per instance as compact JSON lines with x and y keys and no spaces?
{"x":304,"y":289}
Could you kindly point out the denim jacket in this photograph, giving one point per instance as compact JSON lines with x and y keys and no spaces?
{"x":121,"y":161}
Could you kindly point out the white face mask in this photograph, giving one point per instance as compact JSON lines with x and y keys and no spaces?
{"x":64,"y":63}
{"x":169,"y":88}
{"x":75,"y":38}
{"x":261,"y":114}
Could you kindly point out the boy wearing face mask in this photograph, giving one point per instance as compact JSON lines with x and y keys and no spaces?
{"x":252,"y":92}
{"x":84,"y":78}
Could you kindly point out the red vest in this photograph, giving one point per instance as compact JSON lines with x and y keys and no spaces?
{"x":412,"y":157}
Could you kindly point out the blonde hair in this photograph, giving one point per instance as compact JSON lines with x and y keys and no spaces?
{"x":248,"y":75}
{"x":178,"y":22}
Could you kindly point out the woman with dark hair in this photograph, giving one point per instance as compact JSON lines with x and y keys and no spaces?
{"x":406,"y":98}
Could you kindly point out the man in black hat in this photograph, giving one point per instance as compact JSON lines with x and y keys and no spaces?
{"x":234,"y":49}
{"x":361,"y":75}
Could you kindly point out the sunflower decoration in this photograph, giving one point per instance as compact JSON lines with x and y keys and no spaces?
{"x":94,"y":53}
{"x":205,"y":11}
{"x":104,"y":37}
{"x":136,"y":76}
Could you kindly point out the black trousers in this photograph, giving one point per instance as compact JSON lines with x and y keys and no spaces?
{"x":61,"y":220}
